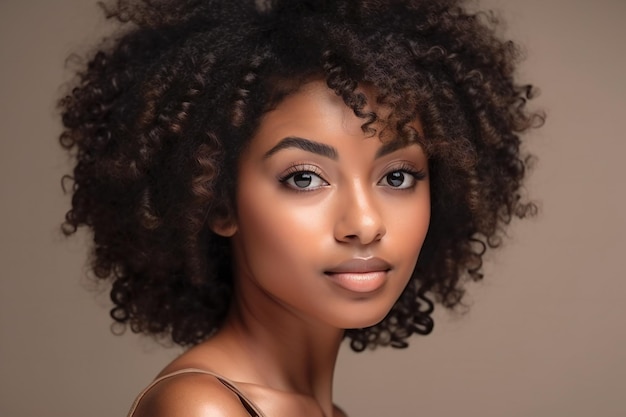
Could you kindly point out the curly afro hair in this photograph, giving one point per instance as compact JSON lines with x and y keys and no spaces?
{"x":157,"y":118}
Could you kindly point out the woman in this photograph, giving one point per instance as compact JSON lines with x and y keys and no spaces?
{"x":265,"y":180}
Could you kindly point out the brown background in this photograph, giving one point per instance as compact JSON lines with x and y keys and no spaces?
{"x":545,"y":335}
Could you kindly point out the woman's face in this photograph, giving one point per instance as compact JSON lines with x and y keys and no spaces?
{"x":329,"y":221}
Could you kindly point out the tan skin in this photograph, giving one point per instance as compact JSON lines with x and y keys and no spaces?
{"x":328,"y":228}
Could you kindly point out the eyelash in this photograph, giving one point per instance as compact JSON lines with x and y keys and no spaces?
{"x":417,"y":174}
{"x":301,"y":169}
{"x":293,"y":170}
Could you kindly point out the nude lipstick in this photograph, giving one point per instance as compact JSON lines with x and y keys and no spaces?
{"x":360,"y":275}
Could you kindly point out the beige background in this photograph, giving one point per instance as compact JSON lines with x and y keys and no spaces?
{"x":545,"y":336}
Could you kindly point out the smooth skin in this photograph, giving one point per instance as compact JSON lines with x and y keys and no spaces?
{"x":329,"y":224}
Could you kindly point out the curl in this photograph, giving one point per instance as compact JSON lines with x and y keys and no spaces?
{"x":157,"y":118}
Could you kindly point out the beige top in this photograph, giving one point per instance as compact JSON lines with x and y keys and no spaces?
{"x":252,"y":409}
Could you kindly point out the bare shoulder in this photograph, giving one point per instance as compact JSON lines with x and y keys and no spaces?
{"x":190,"y":395}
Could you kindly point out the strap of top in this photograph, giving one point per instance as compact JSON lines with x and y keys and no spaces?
{"x":252,"y":409}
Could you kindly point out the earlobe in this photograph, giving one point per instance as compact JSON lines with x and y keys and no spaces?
{"x":224,"y":227}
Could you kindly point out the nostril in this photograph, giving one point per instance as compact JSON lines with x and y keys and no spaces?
{"x":360,"y":221}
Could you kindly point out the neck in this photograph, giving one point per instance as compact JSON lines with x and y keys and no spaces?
{"x":277,"y":348}
{"x":292,"y":353}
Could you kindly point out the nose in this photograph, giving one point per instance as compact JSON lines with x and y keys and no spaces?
{"x":359,"y":219}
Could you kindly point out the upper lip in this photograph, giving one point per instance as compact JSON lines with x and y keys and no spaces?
{"x":360,"y":265}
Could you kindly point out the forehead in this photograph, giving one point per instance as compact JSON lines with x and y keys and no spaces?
{"x":313,"y":107}
{"x":316,"y":108}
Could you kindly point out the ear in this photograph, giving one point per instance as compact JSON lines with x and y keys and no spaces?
{"x":225,"y":227}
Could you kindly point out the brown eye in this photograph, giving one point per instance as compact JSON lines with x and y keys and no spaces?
{"x":302,"y":179}
{"x":395,"y":179}
{"x":401,"y":179}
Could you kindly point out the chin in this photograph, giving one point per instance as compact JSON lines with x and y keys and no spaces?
{"x":361,"y":321}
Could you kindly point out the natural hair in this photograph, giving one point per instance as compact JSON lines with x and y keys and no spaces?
{"x":158,"y":116}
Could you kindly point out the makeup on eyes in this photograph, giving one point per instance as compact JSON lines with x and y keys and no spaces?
{"x":305,"y":176}
{"x":414,"y":174}
{"x":308,"y":174}
{"x":309,"y":178}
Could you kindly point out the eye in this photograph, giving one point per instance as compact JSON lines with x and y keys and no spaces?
{"x":302,"y":179}
{"x":402,"y":179}
{"x":399,"y":179}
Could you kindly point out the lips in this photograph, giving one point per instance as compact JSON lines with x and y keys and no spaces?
{"x":360,"y":275}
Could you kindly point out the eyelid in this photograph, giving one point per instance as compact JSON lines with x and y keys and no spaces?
{"x":297,"y":168}
{"x":300,"y":167}
{"x":409,"y":168}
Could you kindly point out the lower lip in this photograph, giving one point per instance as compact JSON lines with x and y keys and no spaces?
{"x":360,"y":282}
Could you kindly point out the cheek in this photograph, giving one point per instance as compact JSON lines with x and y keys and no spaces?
{"x":281,"y":249}
{"x":409,"y":227}
{"x":407,"y":221}
{"x":277,"y":231}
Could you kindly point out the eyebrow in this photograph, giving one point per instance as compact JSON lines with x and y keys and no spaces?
{"x":326,"y":150}
{"x":304,"y":144}
{"x":390,"y":147}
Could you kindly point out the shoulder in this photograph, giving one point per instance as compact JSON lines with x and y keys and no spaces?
{"x":190,"y":395}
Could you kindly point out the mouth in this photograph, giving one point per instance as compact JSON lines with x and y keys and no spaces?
{"x":359,"y":274}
